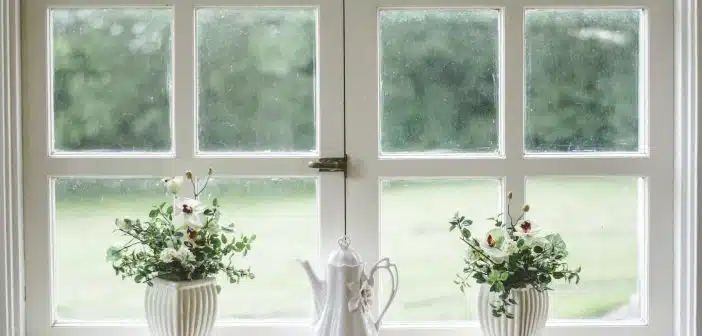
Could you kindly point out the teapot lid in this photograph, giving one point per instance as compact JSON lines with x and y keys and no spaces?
{"x":344,"y":255}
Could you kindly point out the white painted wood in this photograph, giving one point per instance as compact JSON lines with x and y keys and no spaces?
{"x":11,"y":242}
{"x":687,"y":211}
{"x":40,"y":164}
{"x":654,"y":162}
{"x":382,"y":3}
{"x":302,"y":329}
{"x":685,"y":223}
{"x":184,"y":119}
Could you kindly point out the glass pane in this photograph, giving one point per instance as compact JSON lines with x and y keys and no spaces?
{"x":112,"y":79}
{"x":598,"y":217}
{"x":439,"y":81}
{"x":412,"y":223}
{"x":88,"y":208}
{"x":257,"y":70}
{"x":582,"y":80}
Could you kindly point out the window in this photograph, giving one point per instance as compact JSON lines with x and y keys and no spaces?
{"x":439,"y":106}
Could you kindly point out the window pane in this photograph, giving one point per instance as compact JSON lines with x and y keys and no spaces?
{"x":582,"y":80}
{"x":84,"y":220}
{"x":439,"y":81}
{"x":111,"y":85}
{"x":257,"y":71}
{"x":415,"y":218}
{"x":598,"y":217}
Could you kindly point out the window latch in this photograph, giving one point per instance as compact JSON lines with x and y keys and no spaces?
{"x":337,"y":164}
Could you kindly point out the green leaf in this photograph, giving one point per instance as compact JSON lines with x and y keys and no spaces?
{"x":169,"y":210}
{"x":224,"y":239}
{"x":153,"y":213}
{"x":113,"y":254}
{"x":215,"y":202}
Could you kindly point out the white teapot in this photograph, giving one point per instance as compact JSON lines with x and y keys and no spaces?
{"x":343,"y":302}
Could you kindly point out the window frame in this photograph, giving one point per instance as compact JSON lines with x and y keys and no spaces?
{"x":41,"y":162}
{"x":512,"y":163}
{"x":12,"y":223}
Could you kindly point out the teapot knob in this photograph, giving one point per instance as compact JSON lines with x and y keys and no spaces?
{"x":344,"y":242}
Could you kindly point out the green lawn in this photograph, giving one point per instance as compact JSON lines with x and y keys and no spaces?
{"x":596,"y":217}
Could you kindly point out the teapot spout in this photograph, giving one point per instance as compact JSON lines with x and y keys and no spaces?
{"x":318,"y":288}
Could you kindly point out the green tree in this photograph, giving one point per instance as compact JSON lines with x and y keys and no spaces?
{"x":256,"y":80}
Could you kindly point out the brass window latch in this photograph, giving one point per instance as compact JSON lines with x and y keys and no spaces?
{"x":337,"y":164}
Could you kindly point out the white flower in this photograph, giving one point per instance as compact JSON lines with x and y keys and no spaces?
{"x":184,"y":255}
{"x":525,"y":228}
{"x":491,"y":245}
{"x":509,"y":246}
{"x":122,"y":223}
{"x":173,"y":184}
{"x":361,"y":296}
{"x":188,"y":213}
{"x":168,"y":254}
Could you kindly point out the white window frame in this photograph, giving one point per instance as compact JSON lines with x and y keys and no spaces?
{"x":41,"y":162}
{"x":512,"y":165}
{"x":13,"y":270}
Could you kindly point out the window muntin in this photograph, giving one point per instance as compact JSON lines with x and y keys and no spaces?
{"x":655,"y":284}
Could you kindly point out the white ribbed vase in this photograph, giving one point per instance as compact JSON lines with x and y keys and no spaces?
{"x":530,"y":313}
{"x":184,"y":308}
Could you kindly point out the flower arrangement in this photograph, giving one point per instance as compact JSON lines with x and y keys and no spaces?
{"x":180,"y":241}
{"x":514,"y":254}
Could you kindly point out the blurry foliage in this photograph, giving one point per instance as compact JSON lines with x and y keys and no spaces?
{"x":256,"y":76}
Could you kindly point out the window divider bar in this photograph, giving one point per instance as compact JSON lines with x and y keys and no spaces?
{"x":512,"y":82}
{"x":184,"y":90}
{"x":512,"y":101}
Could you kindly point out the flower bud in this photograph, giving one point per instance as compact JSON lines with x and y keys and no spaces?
{"x":525,"y":207}
{"x":173,"y":184}
{"x":509,"y":195}
{"x":189,"y":174}
{"x":122,"y":223}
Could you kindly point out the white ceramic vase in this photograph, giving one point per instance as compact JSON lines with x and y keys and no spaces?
{"x":184,"y":308}
{"x":530,"y":313}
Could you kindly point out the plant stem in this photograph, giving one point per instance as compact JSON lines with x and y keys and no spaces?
{"x":130,"y":244}
{"x":192,"y":181}
{"x":133,"y":236}
{"x":509,"y":205}
{"x":203,"y":186}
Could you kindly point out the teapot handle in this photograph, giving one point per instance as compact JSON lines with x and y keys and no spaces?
{"x":395,"y":280}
